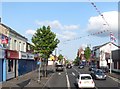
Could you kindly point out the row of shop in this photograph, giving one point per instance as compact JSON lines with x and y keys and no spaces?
{"x":14,"y":63}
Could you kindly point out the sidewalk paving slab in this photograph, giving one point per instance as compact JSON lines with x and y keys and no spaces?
{"x":29,"y":80}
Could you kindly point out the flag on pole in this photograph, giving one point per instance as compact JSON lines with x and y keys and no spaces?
{"x":112,"y":37}
{"x":4,"y":39}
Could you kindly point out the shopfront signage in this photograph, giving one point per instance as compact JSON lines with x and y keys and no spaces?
{"x":22,"y":55}
{"x":10,"y":54}
{"x":2,"y":53}
{"x":30,"y":56}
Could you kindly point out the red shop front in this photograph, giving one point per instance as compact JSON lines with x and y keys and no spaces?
{"x":12,"y":63}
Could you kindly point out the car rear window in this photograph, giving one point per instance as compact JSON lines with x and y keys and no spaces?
{"x":59,"y":65}
{"x":85,"y":77}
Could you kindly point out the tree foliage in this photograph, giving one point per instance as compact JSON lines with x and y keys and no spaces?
{"x":44,"y":41}
{"x":60,"y":57}
{"x":76,"y":61}
{"x":87,"y":53}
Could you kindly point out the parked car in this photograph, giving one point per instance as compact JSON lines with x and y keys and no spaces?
{"x":92,"y":67}
{"x":98,"y":74}
{"x":105,"y":69}
{"x":59,"y":67}
{"x":85,"y":81}
{"x":81,"y":66}
{"x":69,"y":66}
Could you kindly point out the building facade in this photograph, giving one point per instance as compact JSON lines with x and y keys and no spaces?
{"x":17,"y":60}
{"x":4,"y":34}
{"x":102,"y":54}
{"x":116,"y":59}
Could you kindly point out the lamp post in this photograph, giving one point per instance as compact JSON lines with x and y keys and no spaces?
{"x":110,"y":58}
{"x":39,"y":68}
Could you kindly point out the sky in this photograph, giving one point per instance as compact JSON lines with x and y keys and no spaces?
{"x":72,"y":22}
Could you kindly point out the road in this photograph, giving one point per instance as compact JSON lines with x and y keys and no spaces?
{"x":66,"y":80}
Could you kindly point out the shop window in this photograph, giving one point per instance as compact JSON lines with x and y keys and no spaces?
{"x":19,"y":46}
{"x":24,"y":47}
{"x":115,"y":64}
{"x":15,"y":44}
{"x":10,"y":65}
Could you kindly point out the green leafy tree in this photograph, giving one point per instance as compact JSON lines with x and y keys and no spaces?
{"x":87,"y":53}
{"x":45,"y":42}
{"x":76,"y":61}
{"x":67,"y":61}
{"x":60,"y":57}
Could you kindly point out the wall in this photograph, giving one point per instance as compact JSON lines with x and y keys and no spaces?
{"x":4,"y":31}
{"x":20,"y":43}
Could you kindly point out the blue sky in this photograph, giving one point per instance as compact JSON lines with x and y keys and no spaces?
{"x":68,"y":20}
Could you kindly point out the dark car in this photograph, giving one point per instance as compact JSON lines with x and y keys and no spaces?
{"x":81,"y":66}
{"x":69,"y":66}
{"x":98,"y":74}
{"x":59,"y":67}
{"x":105,"y":69}
{"x":92,"y":67}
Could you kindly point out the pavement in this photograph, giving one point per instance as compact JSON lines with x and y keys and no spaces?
{"x":114,"y":76}
{"x":29,"y":80}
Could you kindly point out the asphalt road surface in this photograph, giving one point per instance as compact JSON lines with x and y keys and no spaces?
{"x":66,"y":80}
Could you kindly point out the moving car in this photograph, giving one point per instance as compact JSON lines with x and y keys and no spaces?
{"x":69,"y":66}
{"x":59,"y":67}
{"x":92,"y":67}
{"x":81,"y":66}
{"x":98,"y":74}
{"x":85,"y":81}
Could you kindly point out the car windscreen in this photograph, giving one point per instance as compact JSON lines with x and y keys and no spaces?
{"x":99,"y":72}
{"x":85,"y":77}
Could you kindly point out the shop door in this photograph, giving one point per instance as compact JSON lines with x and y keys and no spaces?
{"x":10,"y":68}
{"x":1,"y":70}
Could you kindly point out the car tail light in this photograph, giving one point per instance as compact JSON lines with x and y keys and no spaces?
{"x":92,"y":82}
{"x":80,"y":82}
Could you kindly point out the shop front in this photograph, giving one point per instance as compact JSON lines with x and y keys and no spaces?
{"x":2,"y":58}
{"x":26,"y":63}
{"x":12,"y":63}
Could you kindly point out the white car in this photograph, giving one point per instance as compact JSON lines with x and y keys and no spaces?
{"x":85,"y":81}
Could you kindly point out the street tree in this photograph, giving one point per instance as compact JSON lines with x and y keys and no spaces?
{"x":67,"y":61}
{"x":60,"y":58}
{"x":76,"y":61}
{"x":87,"y":53}
{"x":45,"y":42}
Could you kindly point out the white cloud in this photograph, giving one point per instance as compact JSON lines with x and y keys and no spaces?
{"x":66,"y":35}
{"x":97,"y":23}
{"x":30,"y":32}
{"x":55,"y":24}
{"x":66,"y":32}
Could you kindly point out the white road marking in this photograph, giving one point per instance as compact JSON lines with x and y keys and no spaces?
{"x":96,"y":87}
{"x":48,"y":81}
{"x":73,"y":73}
{"x":68,"y":82}
{"x":59,"y":73}
{"x":76,"y":71}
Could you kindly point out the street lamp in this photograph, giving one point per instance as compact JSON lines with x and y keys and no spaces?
{"x":39,"y":67}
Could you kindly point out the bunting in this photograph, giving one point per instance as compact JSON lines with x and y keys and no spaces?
{"x":112,"y":37}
